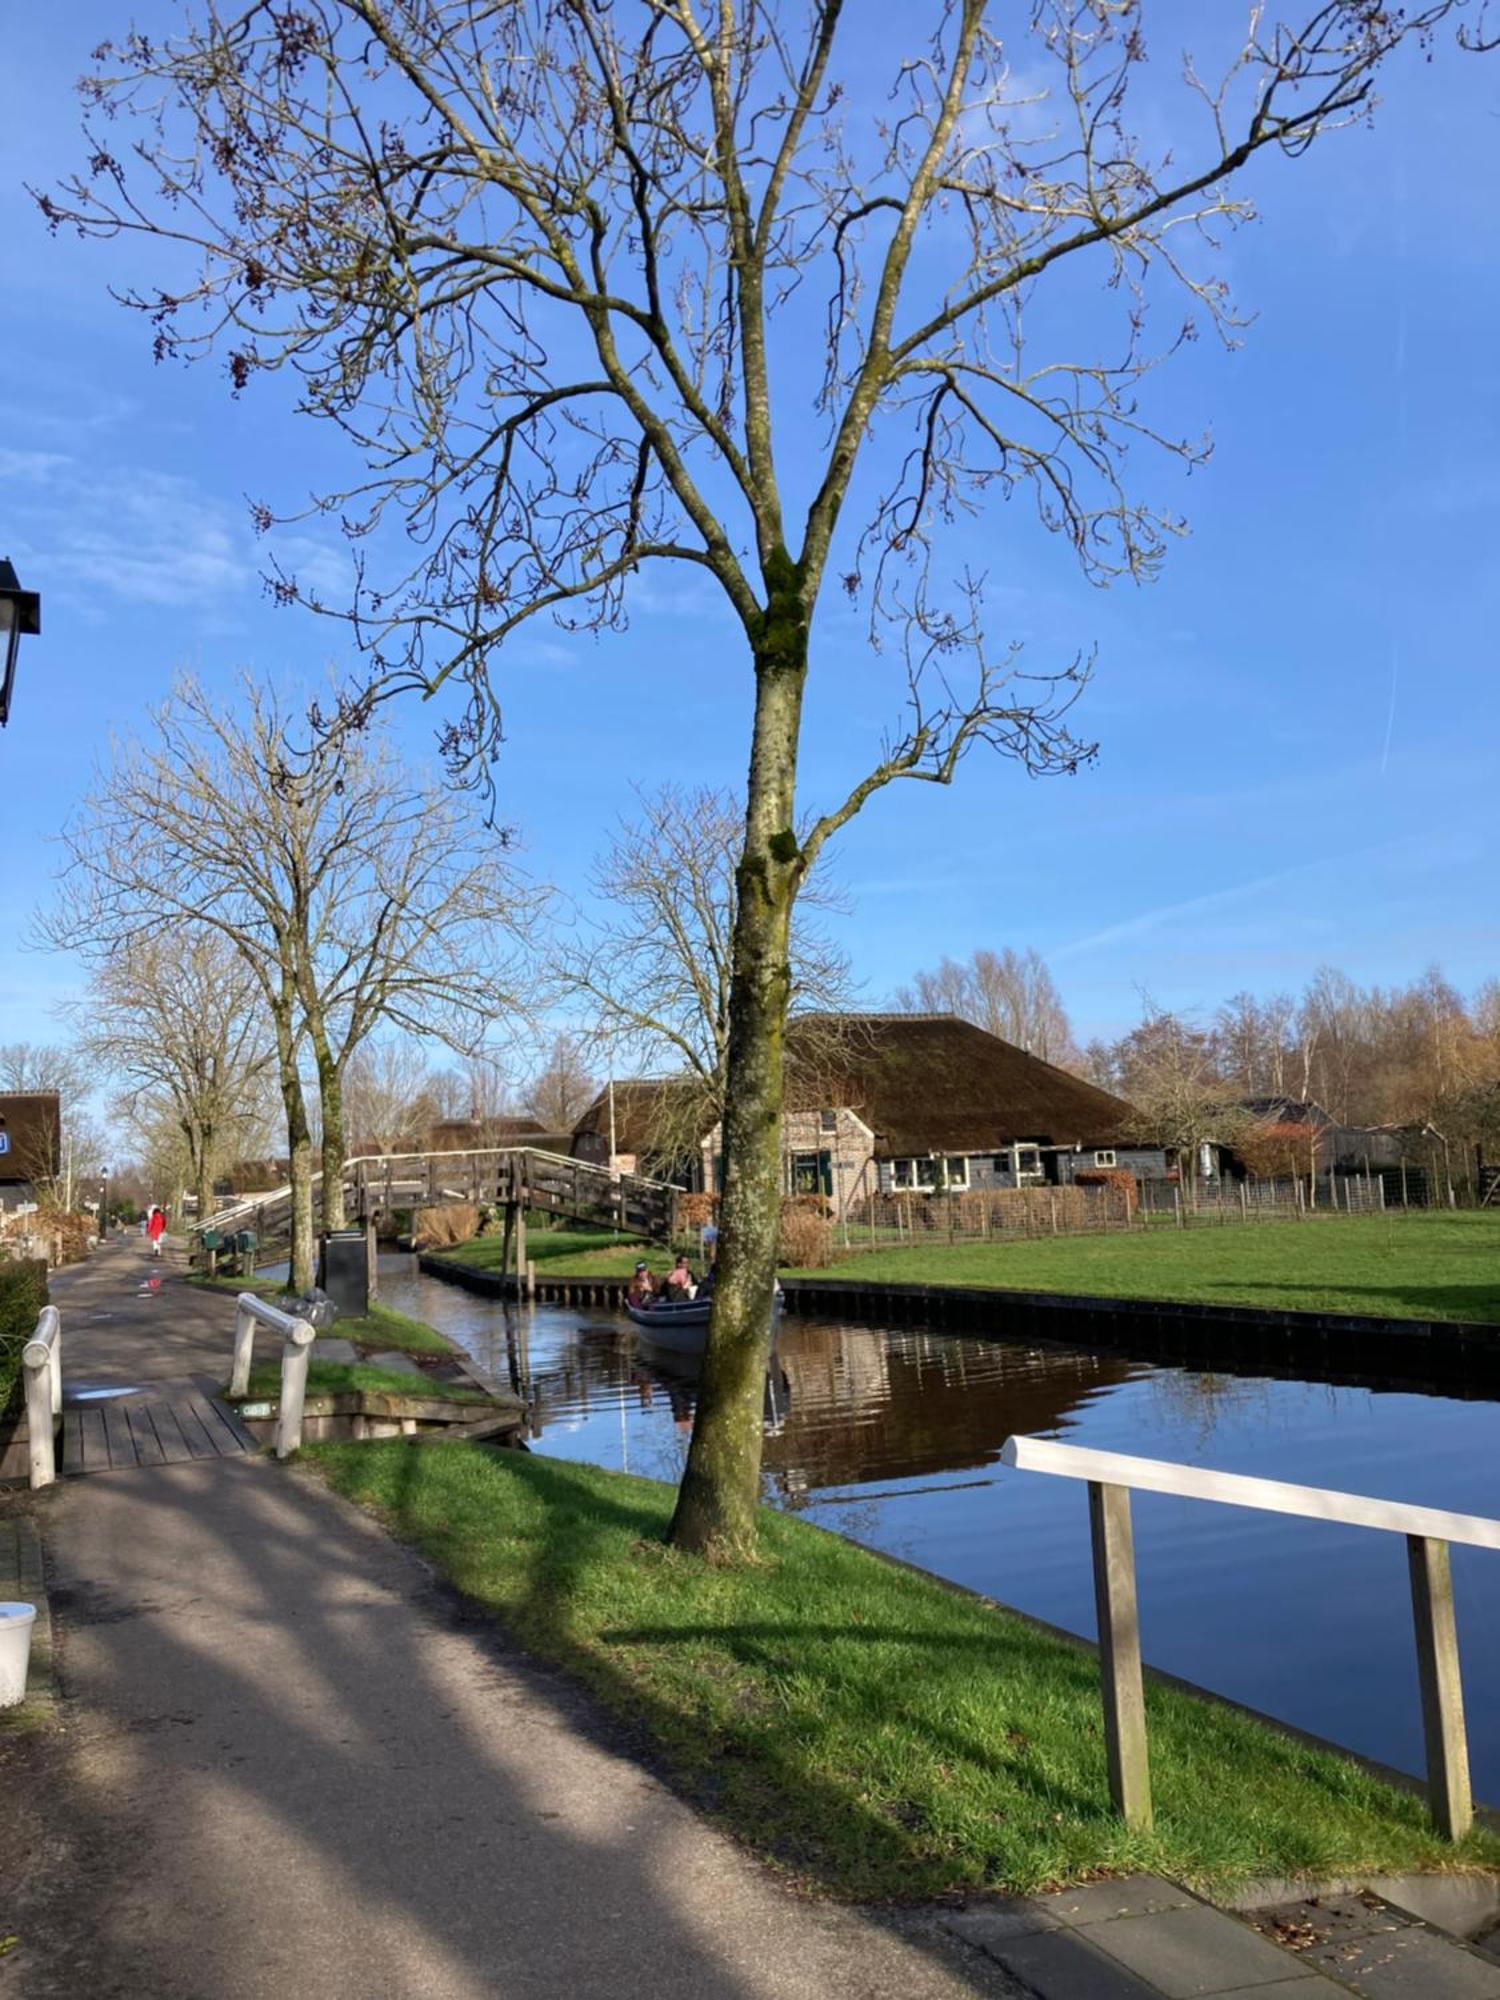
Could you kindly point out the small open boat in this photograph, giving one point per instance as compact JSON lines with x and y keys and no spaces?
{"x":679,"y":1324}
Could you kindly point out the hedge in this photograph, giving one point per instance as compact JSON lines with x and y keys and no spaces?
{"x":23,"y":1293}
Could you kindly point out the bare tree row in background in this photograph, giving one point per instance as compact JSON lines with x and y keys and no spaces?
{"x":1414,"y":1056}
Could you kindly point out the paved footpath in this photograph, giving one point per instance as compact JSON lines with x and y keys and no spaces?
{"x":285,"y":1762}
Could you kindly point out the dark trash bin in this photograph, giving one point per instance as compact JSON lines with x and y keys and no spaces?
{"x":346,"y":1271}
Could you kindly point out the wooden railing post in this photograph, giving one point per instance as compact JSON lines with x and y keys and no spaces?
{"x":1120,"y":1653}
{"x":1448,"y":1794}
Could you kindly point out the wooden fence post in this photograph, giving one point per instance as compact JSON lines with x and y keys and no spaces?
{"x":1120,"y":1653}
{"x":1448,"y":1795}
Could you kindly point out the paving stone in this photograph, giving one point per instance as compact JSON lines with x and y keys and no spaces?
{"x":1412,"y":1964}
{"x":992,"y":1923}
{"x":328,"y":1348}
{"x":1127,"y":1896}
{"x":1183,"y":1953}
{"x":1063,"y":1965}
{"x":401,"y":1363}
{"x":1320,"y":1919}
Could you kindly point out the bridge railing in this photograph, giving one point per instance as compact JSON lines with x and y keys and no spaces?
{"x":1428,"y":1530}
{"x":297,"y":1336}
{"x":551,"y":1183}
{"x":41,"y":1364}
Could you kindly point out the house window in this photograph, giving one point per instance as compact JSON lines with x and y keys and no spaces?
{"x":932,"y":1175}
{"x":828,"y":1121}
{"x":812,"y":1173}
{"x":1106,"y":1158}
{"x":1028,"y":1163}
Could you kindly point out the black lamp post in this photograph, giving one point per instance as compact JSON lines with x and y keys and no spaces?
{"x":20,"y":612}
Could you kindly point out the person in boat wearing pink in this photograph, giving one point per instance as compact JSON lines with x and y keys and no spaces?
{"x":156,"y":1229}
{"x":678,"y":1283}
{"x":642,"y":1288}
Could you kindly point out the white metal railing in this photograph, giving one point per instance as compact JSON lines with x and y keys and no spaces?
{"x":1428,"y":1531}
{"x":297,"y":1337}
{"x":41,"y":1364}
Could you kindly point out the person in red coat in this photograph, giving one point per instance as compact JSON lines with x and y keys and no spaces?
{"x":156,"y":1229}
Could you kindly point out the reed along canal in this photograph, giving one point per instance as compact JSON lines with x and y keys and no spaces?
{"x":893,"y":1436}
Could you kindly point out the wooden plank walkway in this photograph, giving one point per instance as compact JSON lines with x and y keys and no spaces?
{"x":112,"y":1435}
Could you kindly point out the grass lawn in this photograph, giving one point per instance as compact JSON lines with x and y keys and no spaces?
{"x":869,"y":1731}
{"x":590,"y":1253}
{"x":338,"y":1378}
{"x":1427,"y":1265}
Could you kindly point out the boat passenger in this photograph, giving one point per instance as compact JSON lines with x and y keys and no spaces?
{"x":642,"y":1288}
{"x":679,"y":1280}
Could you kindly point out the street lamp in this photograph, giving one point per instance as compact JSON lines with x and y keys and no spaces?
{"x":20,"y":612}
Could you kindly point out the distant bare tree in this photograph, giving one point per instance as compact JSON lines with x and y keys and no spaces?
{"x":564,"y":1087}
{"x":178,"y":1021}
{"x":584,"y":283}
{"x":61,"y":1150}
{"x":1167,"y":1070}
{"x":387,"y":1095}
{"x":1008,"y":993}
{"x":655,"y":968}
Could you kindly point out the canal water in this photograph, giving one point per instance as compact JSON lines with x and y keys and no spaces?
{"x":893,"y":1437}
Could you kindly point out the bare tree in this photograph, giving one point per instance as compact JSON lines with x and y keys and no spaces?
{"x":559,"y":271}
{"x":356,"y":896}
{"x":655,"y":969}
{"x":475,"y":1092}
{"x":1168,"y":1071}
{"x":385,"y":1099}
{"x":564,"y":1087}
{"x":1010,"y":993}
{"x":178,"y":1021}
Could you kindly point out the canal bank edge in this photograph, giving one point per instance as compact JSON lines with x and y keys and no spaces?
{"x":1481,"y":1901}
{"x":1459,"y":1357}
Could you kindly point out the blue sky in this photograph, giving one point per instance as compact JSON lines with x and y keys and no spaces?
{"x":1297,"y":723}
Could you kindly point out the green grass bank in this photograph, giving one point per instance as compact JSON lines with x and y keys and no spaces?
{"x":340,"y":1378}
{"x":1426,"y":1265}
{"x":870,"y":1732}
{"x":381,"y":1327}
{"x":575,"y":1253}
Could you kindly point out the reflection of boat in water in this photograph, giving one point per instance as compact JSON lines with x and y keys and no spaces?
{"x":680,"y":1325}
{"x":678,"y":1374}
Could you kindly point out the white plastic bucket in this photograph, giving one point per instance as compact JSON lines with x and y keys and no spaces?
{"x":16,"y":1621}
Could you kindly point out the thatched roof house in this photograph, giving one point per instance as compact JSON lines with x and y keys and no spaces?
{"x":893,"y":1103}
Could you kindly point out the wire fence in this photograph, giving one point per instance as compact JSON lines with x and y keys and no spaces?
{"x":1002,"y":1214}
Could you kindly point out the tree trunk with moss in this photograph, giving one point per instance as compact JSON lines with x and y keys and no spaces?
{"x":720,"y":1491}
{"x":331,"y":1105}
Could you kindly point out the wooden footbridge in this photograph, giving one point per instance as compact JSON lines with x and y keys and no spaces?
{"x":520,"y":1179}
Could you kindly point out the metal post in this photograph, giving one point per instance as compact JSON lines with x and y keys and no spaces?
{"x":295,"y":1355}
{"x":41,"y":1368}
{"x":244,"y":1340}
{"x":372,"y":1259}
{"x":1120,"y":1653}
{"x":1448,"y":1795}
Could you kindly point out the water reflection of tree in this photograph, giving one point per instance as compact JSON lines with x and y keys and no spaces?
{"x":1200,"y":1400}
